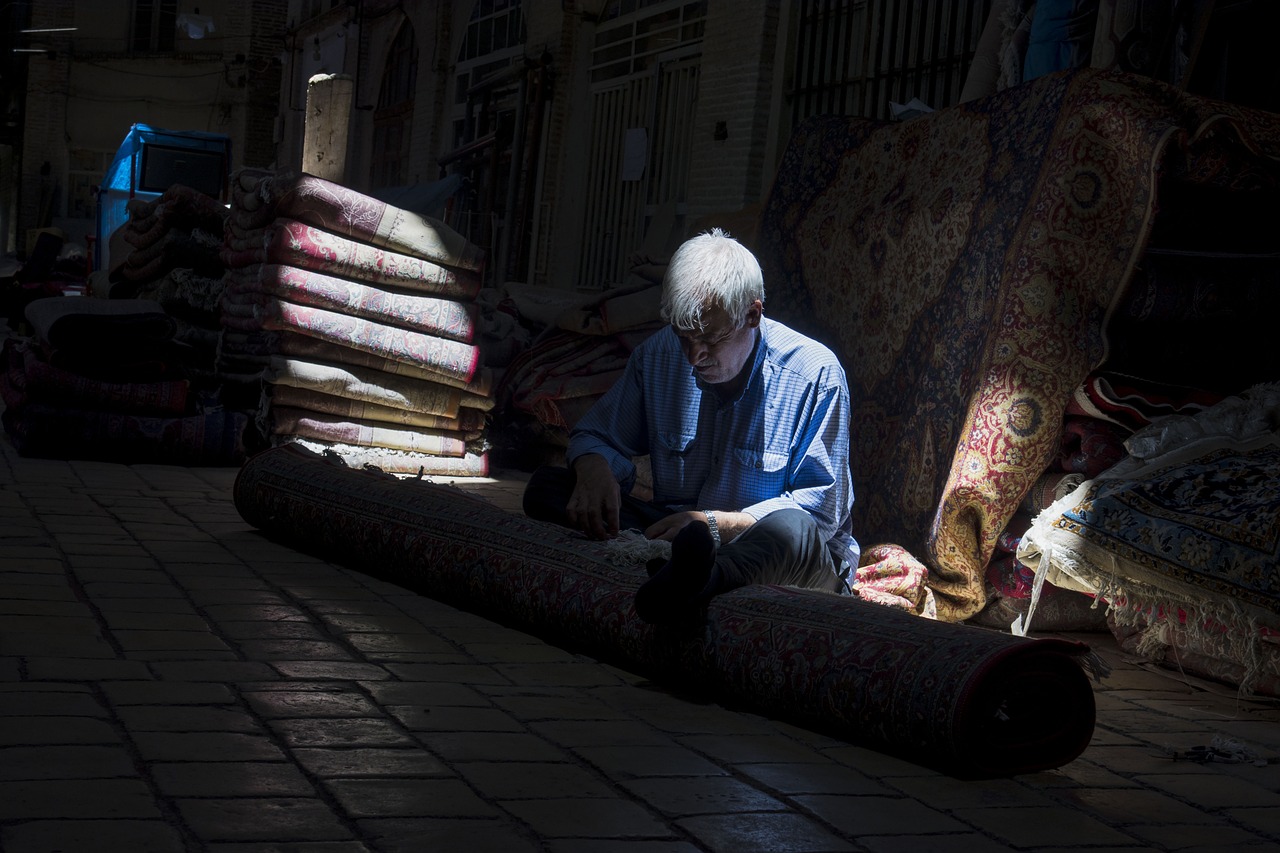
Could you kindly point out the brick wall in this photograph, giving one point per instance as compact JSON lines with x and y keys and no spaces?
{"x":735,"y":88}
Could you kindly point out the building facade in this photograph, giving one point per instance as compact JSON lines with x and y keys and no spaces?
{"x":572,"y":135}
{"x":93,"y":69}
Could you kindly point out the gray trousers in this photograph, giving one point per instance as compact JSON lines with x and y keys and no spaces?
{"x":785,"y":547}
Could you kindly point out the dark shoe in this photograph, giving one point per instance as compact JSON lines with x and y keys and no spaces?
{"x":677,"y":590}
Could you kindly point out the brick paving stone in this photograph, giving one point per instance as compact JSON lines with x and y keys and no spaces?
{"x":56,"y":645}
{"x":875,"y":764}
{"x":238,"y":779}
{"x":691,"y":718}
{"x":1041,"y":827}
{"x":751,"y":749}
{"x":420,"y":643}
{"x":370,"y":762}
{"x":951,"y":843}
{"x":490,"y":746}
{"x":43,"y":836}
{"x":155,"y":640}
{"x":633,"y":762}
{"x":598,"y":818}
{"x":277,"y":704}
{"x":293,"y":819}
{"x":255,"y":612}
{"x":64,"y":762}
{"x":167,"y":693}
{"x":164,"y":718}
{"x":123,"y":621}
{"x":63,"y":700}
{"x":1176,"y":836}
{"x":472,"y":674}
{"x":531,"y":705}
{"x":32,"y":731}
{"x":395,"y":625}
{"x":579,"y":674}
{"x":455,"y":719}
{"x":48,"y":799}
{"x":433,"y":693}
{"x":945,"y":792}
{"x":204,"y":670}
{"x":495,"y":780}
{"x":580,"y":733}
{"x":288,"y":847}
{"x":1263,"y":820}
{"x":293,"y":650}
{"x":339,"y":732}
{"x":368,"y":798}
{"x":329,"y":670}
{"x":220,"y":597}
{"x":879,"y":815}
{"x":1214,"y":792}
{"x":600,"y":845}
{"x":764,"y":833}
{"x":473,"y":835}
{"x":828,"y":778}
{"x":702,"y":795}
{"x":271,"y":630}
{"x":80,"y":669}
{"x":205,"y":746}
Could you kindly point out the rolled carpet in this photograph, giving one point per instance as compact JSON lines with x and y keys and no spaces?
{"x":968,"y":701}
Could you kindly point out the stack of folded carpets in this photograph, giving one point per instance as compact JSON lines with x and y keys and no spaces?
{"x":169,"y":251}
{"x":104,"y":379}
{"x":363,"y":322}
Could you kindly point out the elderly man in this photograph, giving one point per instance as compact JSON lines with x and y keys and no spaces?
{"x":745,"y":422}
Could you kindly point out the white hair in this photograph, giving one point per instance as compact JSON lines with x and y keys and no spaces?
{"x":711,"y":269}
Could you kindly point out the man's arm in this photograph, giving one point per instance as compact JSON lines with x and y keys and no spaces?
{"x":593,"y":506}
{"x":601,"y":446}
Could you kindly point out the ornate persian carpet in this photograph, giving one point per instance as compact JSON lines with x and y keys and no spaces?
{"x":966,"y":700}
{"x":963,"y":265}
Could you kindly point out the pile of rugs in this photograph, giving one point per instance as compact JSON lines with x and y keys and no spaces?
{"x":108,"y":379}
{"x":363,"y":322}
{"x":168,"y":251}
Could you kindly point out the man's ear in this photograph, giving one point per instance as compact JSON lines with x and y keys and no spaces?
{"x":754,"y":313}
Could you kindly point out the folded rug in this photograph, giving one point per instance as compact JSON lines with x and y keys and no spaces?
{"x":260,"y":197}
{"x":371,"y":386}
{"x":399,"y":462}
{"x":456,"y":363}
{"x":432,"y":315}
{"x":287,"y":241}
{"x":331,"y":428}
{"x":466,"y":421}
{"x":969,"y":701}
{"x":55,"y":432}
{"x":42,"y":382}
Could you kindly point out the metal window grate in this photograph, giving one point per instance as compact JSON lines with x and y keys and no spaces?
{"x":855,"y":56}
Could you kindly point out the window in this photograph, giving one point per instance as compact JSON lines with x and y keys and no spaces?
{"x":393,"y":116}
{"x":155,"y":26}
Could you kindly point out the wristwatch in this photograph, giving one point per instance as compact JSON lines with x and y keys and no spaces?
{"x":711,"y":522}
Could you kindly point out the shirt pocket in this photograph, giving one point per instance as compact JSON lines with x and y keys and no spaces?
{"x":763,"y":472}
{"x":673,"y":456}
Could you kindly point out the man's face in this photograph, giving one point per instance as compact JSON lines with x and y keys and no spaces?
{"x":719,"y":351}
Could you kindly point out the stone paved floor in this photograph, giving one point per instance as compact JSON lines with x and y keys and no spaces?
{"x":170,"y":680}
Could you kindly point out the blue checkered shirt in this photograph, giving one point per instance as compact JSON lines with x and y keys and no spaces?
{"x":783,"y":443}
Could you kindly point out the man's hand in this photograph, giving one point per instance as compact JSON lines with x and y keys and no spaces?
{"x":730,"y":524}
{"x":593,"y":506}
